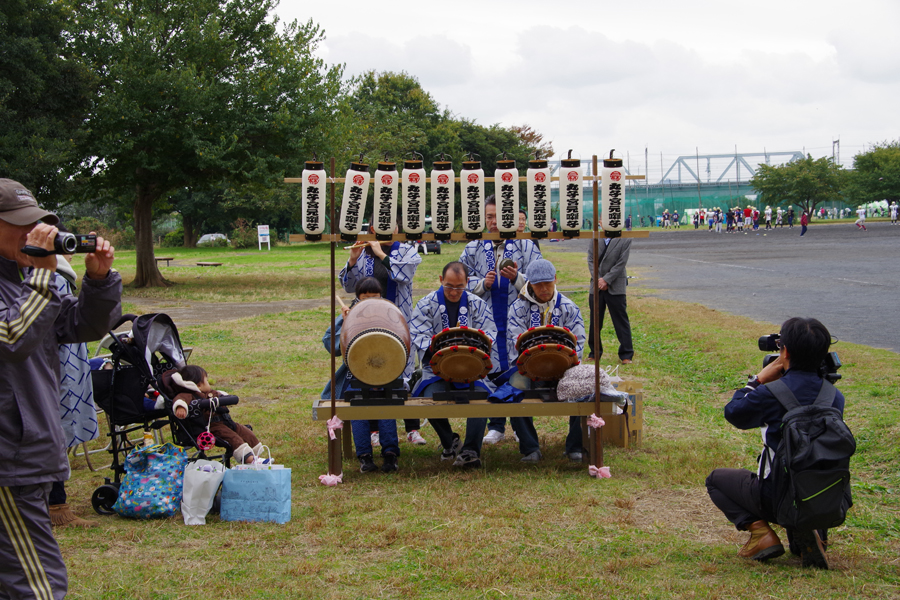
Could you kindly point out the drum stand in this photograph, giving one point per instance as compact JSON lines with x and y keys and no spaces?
{"x":367,"y":395}
{"x":545,"y":391}
{"x":461,"y":396}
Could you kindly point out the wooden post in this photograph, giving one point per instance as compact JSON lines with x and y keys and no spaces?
{"x":596,"y":445}
{"x":334,"y":446}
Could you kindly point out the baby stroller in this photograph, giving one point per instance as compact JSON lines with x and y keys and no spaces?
{"x":140,"y":360}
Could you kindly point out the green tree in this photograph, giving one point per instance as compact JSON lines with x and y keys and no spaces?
{"x":805,"y":182}
{"x":201,"y":94}
{"x":875,"y":175}
{"x":44,"y":97}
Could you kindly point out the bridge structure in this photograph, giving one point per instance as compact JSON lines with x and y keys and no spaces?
{"x":693,"y":181}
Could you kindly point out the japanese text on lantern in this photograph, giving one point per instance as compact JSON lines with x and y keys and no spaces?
{"x":352,"y":215}
{"x":442,"y":219}
{"x":472,"y":212}
{"x":573,"y":216}
{"x":385,"y":196}
{"x":540,"y":205}
{"x":508,"y":212}
{"x":413,"y":193}
{"x":312,"y":204}
{"x":615,"y":200}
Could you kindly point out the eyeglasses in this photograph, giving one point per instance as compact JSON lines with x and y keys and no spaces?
{"x":452,"y":288}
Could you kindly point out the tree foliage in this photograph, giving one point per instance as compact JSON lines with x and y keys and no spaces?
{"x":806,"y":182}
{"x":875,"y":175}
{"x":206,"y":94}
{"x":44,"y":92}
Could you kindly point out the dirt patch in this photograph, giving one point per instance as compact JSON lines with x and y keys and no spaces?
{"x":690,"y":511}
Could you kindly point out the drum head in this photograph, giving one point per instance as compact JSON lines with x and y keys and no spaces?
{"x":376,"y":357}
{"x":546,"y":334}
{"x":546,"y":362}
{"x":461,"y":364}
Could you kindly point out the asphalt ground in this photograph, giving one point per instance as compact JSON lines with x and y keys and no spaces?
{"x":846,"y":277}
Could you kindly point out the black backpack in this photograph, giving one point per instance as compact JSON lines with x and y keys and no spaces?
{"x":811,"y":468}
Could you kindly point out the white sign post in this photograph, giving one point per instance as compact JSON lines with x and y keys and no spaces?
{"x":263,"y":233}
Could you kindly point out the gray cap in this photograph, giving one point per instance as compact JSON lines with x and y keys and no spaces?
{"x":540,"y":271}
{"x":18,"y":206}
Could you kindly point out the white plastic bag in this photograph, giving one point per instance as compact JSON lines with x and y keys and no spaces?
{"x":201,"y":482}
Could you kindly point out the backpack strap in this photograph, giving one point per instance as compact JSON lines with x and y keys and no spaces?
{"x":826,"y":395}
{"x":784,"y":394}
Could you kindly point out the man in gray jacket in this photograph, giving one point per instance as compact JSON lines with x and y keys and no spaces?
{"x":609,"y":292}
{"x":34,"y":320}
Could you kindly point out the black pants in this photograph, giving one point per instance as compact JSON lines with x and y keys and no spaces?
{"x":618,"y":312}
{"x":736,"y":492}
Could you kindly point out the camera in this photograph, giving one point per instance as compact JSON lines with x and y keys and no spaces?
{"x":66,"y":243}
{"x":827,"y":370}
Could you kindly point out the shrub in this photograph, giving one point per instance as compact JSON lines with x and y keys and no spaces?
{"x":174,"y":239}
{"x":244,"y":234}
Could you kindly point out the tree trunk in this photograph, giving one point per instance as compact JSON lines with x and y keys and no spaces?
{"x":191,"y":231}
{"x":147,"y":273}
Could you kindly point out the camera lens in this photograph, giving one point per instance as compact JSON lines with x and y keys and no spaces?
{"x":65,"y":243}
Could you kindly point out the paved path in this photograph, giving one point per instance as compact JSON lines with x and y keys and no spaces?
{"x":847,"y":278}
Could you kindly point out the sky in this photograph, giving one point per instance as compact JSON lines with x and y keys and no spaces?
{"x":652,"y":79}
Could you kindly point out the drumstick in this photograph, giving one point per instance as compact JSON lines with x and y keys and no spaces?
{"x":338,"y":298}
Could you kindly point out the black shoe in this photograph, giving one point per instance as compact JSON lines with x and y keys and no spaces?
{"x":390,"y":463}
{"x":812,"y":551}
{"x":366,"y":464}
{"x":451,"y":452}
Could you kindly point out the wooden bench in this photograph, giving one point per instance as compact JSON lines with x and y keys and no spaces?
{"x":209,"y":264}
{"x":164,"y":258}
{"x":614,"y":432}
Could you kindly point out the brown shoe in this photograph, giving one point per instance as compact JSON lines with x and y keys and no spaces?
{"x":626,"y":361}
{"x":62,"y":516}
{"x":763,"y":543}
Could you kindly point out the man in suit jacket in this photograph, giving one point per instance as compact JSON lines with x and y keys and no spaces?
{"x":609,"y":291}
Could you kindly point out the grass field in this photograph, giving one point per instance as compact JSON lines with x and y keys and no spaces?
{"x":508,"y":530}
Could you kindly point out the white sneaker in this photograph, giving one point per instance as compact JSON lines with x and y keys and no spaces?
{"x":414,"y":437}
{"x":494,"y":437}
{"x":375,"y":439}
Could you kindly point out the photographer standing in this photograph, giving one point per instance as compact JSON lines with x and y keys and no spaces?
{"x":747,"y":498}
{"x":34,"y":320}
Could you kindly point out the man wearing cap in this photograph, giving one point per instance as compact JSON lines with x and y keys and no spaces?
{"x":539,"y":304}
{"x":494,"y":279}
{"x":450,"y":306}
{"x":34,"y":320}
{"x":609,"y":292}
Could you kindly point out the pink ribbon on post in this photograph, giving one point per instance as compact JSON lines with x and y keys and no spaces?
{"x":595,"y":422}
{"x":599,"y":472}
{"x":331,"y":480}
{"x":334,"y":423}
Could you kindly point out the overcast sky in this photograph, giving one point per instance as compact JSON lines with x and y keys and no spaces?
{"x":663,"y":75}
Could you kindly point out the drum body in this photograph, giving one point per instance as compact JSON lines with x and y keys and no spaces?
{"x":546,"y":352}
{"x":461,"y":355}
{"x":375,"y":341}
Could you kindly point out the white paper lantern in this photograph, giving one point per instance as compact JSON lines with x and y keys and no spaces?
{"x":612,"y":195}
{"x":537,"y":184}
{"x":356,"y":192}
{"x":314,"y":203}
{"x":387,"y":183}
{"x":506,"y":186}
{"x":571,"y":194}
{"x":471,"y":180}
{"x":442,"y":186}
{"x":413,"y":207}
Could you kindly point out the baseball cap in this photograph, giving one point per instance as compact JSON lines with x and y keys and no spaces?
{"x":540,"y":271}
{"x":18,"y":206}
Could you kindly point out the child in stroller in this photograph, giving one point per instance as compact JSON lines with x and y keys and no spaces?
{"x":190,"y":387}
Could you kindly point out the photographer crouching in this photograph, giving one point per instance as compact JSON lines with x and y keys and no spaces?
{"x":803,"y":479}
